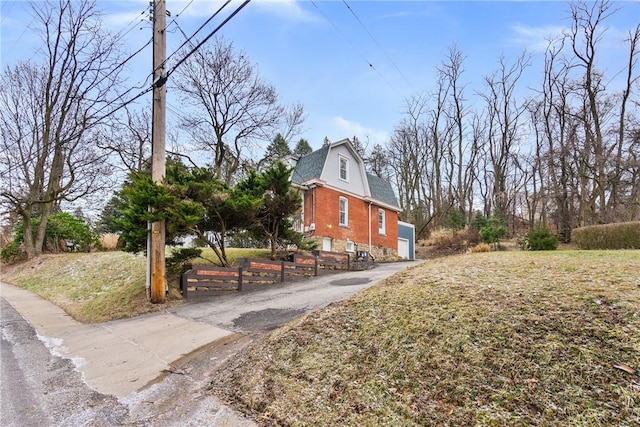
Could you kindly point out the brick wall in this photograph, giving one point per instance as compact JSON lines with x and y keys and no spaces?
{"x":325,"y":203}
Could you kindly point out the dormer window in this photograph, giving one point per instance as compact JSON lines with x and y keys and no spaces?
{"x":344,"y":168}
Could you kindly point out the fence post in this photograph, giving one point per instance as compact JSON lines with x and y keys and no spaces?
{"x":240,"y":279}
{"x":281,"y":271}
{"x":315,"y":270}
{"x":348,"y":262}
{"x":184,"y":286}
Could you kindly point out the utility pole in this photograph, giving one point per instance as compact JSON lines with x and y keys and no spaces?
{"x":156,"y":242}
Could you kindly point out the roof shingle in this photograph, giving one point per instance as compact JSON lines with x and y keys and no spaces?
{"x":310,"y":167}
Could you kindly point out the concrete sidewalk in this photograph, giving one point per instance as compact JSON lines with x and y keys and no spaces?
{"x":122,"y":357}
{"x":117,"y":357}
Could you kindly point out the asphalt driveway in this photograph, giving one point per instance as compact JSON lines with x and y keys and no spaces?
{"x":134,"y":359}
{"x":266,"y":309}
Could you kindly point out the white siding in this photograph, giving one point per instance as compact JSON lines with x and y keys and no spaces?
{"x":355,"y":182}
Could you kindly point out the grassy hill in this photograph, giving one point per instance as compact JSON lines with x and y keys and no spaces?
{"x":506,"y":338}
{"x":501,"y":338}
{"x":101,"y":286}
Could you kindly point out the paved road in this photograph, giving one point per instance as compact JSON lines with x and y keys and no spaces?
{"x":267,"y":309}
{"x":41,"y":389}
{"x":116,"y":358}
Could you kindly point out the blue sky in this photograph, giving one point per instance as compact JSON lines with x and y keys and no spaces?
{"x":352,"y":73}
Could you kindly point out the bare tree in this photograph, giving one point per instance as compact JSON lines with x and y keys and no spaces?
{"x":48,"y":112}
{"x":410,"y":159}
{"x":378,"y":162}
{"x":586,"y":33}
{"x":233,"y":108}
{"x":463,"y":152}
{"x":504,"y":115}
{"x":128,"y":137}
{"x":554,"y":124}
{"x":624,"y":144}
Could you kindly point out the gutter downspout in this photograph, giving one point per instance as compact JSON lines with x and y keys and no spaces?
{"x":369,"y":227}
{"x":313,"y":205}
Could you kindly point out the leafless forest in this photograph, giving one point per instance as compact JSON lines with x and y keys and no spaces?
{"x":565,"y":154}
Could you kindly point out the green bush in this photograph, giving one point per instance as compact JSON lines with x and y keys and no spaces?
{"x":540,"y":239}
{"x":179,"y":257}
{"x":75,"y":231}
{"x":478,"y":221}
{"x":61,"y":227}
{"x":623,"y":235}
{"x":13,"y":252}
{"x":493,"y":231}
{"x":455,"y":220}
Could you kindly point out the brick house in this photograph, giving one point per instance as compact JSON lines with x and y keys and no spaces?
{"x":344,"y":207}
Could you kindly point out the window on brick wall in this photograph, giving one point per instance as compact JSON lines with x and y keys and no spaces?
{"x":381,"y":222}
{"x":344,"y":211}
{"x":349,"y":246}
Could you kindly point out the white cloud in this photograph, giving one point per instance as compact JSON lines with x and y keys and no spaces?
{"x":349,"y":129}
{"x":536,"y":39}
{"x":123,"y":14}
{"x":285,"y":9}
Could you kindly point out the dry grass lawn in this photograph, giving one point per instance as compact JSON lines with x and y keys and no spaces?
{"x":100,"y":286}
{"x":91,"y":287}
{"x":501,"y":338}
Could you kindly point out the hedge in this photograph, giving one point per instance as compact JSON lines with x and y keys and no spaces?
{"x":623,"y":235}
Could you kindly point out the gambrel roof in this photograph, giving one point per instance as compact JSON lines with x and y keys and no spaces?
{"x":309,"y":170}
{"x":310,"y":167}
{"x":381,"y":190}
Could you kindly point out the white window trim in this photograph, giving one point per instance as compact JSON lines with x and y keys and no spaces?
{"x":346,"y":212}
{"x":382,"y":225}
{"x":349,"y":246}
{"x":346,"y":168}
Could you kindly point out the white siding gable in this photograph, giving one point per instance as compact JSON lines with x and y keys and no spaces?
{"x":355,"y":181}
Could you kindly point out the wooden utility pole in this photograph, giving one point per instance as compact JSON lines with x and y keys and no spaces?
{"x":156,"y":248}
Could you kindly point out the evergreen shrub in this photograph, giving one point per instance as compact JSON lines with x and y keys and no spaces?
{"x":12,"y":252}
{"x":181,"y":256}
{"x":541,"y":239}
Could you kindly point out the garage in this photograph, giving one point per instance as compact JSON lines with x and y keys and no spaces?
{"x":406,"y":241}
{"x":403,"y":248}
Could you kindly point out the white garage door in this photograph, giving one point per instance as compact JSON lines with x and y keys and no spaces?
{"x":403,"y":248}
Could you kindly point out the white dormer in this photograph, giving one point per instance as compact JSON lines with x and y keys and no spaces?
{"x":344,"y":169}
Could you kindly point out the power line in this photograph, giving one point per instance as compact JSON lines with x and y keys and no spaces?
{"x":26,"y":28}
{"x":119,"y":36}
{"x":129,"y":58}
{"x":377,"y":44}
{"x":96,"y":121}
{"x":149,"y":89}
{"x":188,"y":40}
{"x":147,"y":44}
{"x":255,"y":122}
{"x":175,"y":110}
{"x":7,"y":12}
{"x":183,"y":9}
{"x":354,"y":47}
{"x":124,"y":104}
{"x":142,"y":93}
{"x":211,"y":34}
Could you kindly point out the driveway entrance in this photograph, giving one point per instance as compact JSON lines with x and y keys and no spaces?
{"x":263,"y":310}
